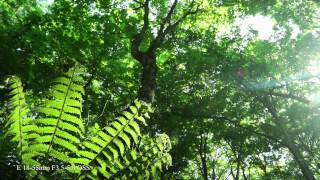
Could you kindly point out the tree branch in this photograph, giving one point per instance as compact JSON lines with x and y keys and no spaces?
{"x":291,"y":96}
{"x":136,"y":42}
{"x":287,"y":140}
{"x":166,"y":20}
{"x":164,"y":31}
{"x":269,"y":137}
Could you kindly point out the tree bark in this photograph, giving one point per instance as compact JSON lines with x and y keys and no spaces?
{"x":148,"y":79}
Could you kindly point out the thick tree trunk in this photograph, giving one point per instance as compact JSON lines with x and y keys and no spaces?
{"x":148,"y":79}
{"x":149,"y":70}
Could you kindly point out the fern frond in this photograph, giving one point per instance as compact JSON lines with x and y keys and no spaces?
{"x":146,"y":163}
{"x":112,"y":151}
{"x":111,"y":143}
{"x":16,"y":125}
{"x":60,"y":125}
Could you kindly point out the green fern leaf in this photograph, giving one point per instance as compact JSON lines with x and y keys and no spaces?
{"x":17,"y":124}
{"x":146,"y":163}
{"x":112,"y":152}
{"x":114,"y":141}
{"x":60,"y":124}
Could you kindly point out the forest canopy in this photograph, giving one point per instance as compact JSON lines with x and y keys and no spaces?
{"x":160,"y":89}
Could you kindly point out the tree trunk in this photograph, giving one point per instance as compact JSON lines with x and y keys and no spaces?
{"x":238,"y":167}
{"x":288,"y":142}
{"x":148,"y":58}
{"x":231,"y":172}
{"x":203,"y":156}
{"x":204,"y":168}
{"x":264,"y":166}
{"x":148,"y":78}
{"x":307,"y":173}
{"x":213,"y":174}
{"x":243,"y":172}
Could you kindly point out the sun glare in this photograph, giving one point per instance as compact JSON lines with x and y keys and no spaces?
{"x":314,"y":68}
{"x":263,"y":25}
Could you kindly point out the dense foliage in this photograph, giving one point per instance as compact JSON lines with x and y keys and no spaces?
{"x":238,"y":100}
